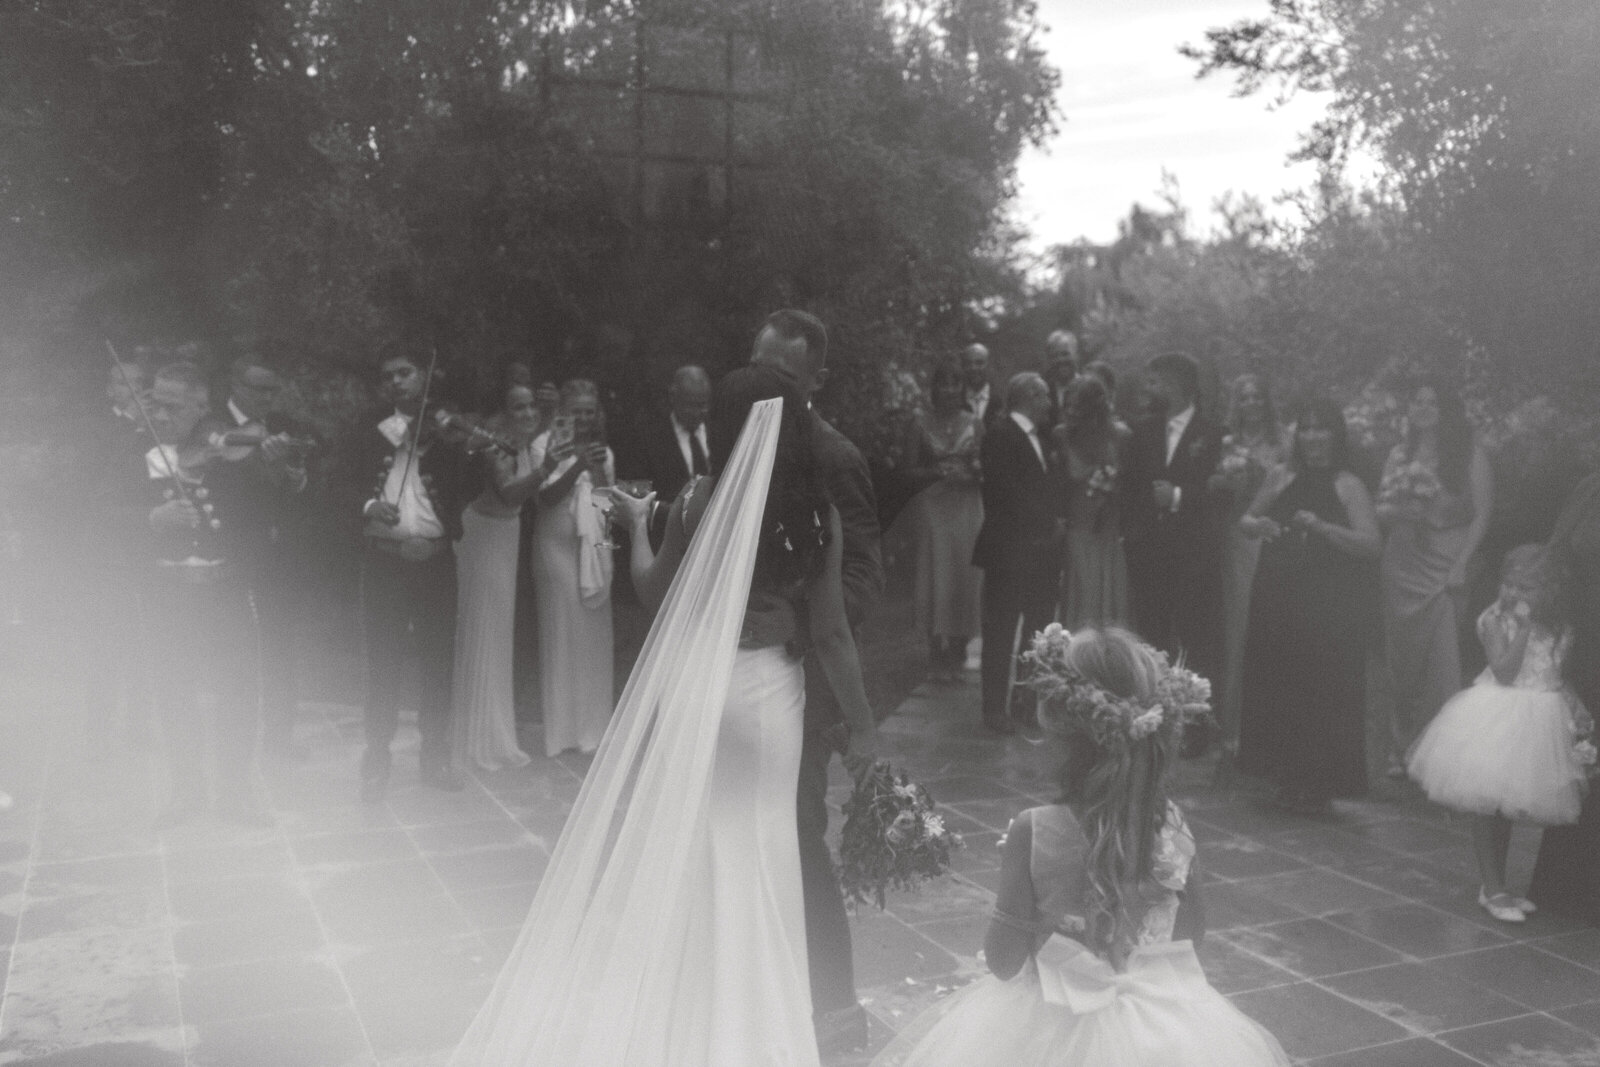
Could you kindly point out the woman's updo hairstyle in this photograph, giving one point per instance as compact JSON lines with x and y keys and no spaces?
{"x":794,"y":527}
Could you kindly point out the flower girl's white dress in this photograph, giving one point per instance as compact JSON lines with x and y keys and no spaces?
{"x":1068,"y":1006}
{"x":1508,"y":749}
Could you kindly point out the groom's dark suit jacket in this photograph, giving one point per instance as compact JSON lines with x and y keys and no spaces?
{"x":849,"y":484}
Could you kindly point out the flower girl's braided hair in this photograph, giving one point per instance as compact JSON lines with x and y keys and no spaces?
{"x":1121,"y":708}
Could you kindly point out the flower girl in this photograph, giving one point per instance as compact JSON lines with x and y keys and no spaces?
{"x":1513,"y":745}
{"x":1093,"y":891}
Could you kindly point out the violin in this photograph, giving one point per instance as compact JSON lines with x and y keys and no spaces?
{"x":476,"y":437}
{"x":231,"y":446}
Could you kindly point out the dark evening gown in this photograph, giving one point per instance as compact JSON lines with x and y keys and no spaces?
{"x":1302,"y":720}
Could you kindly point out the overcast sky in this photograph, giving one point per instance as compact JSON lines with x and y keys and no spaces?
{"x":1132,"y":106}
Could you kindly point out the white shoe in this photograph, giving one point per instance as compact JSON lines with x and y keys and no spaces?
{"x":1501,"y":906}
{"x":1524,"y":905}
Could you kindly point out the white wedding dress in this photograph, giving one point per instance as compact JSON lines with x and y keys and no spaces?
{"x":669,"y":929}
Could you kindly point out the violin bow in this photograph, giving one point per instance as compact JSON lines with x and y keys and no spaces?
{"x":150,"y":428}
{"x":422,"y":411}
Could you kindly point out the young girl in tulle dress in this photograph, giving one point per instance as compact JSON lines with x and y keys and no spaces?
{"x":1093,"y":891}
{"x":1514,"y":745}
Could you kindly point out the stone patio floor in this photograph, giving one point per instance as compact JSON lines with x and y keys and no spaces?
{"x":358,"y":935}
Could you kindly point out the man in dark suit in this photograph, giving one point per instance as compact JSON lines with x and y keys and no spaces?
{"x":1174,"y":560}
{"x":669,"y":451}
{"x":795,"y":344}
{"x":1018,"y":545}
{"x":408,"y":486}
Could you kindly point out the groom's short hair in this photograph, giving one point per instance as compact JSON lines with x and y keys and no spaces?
{"x":791,"y":324}
{"x":1180,"y":368}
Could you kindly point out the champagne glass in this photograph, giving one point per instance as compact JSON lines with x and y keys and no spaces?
{"x":602,"y":503}
{"x":638,"y":488}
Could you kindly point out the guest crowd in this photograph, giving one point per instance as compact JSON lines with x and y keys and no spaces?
{"x":1255,"y":543}
{"x":1245,"y":537}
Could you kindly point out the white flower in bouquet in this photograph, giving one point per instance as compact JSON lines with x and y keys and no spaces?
{"x":1235,"y":458}
{"x":1409,"y":484}
{"x":1146,"y":723}
{"x":1103,"y":480}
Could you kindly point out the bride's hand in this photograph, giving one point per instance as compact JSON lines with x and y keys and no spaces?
{"x":631,"y":511}
{"x":864,"y":749}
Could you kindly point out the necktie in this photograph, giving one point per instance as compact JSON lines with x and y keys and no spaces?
{"x":697,"y":456}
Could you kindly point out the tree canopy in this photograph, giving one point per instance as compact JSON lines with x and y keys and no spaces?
{"x":615,"y":186}
{"x":1485,"y":115}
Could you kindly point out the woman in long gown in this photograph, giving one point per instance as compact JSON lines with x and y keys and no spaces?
{"x":669,"y":929}
{"x":486,"y":594}
{"x":1256,"y":443}
{"x":1566,"y":877}
{"x":1089,"y":446}
{"x":1434,"y":504}
{"x":572,"y":575}
{"x":946,"y":517}
{"x":1302,"y":720}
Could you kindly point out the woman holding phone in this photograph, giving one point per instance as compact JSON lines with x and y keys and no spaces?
{"x":572,"y":564}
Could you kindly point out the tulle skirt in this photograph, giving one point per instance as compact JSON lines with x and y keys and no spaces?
{"x":1497,"y":749}
{"x":1163,"y":1014}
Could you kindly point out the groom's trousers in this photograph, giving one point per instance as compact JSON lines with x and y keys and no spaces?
{"x":833,"y":977}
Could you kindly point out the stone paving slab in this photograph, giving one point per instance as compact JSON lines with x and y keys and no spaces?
{"x":348,"y":934}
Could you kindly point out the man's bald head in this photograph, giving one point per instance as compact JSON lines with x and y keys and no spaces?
{"x":690,"y":396}
{"x":975,"y":366}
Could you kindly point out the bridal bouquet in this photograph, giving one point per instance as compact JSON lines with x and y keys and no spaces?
{"x":893,"y":837}
{"x":1235,"y":459}
{"x":1103,"y":480}
{"x":1411,"y":484}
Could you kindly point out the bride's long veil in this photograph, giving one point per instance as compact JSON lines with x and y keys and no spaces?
{"x":599,"y":951}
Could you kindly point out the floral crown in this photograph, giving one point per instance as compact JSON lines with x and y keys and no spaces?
{"x":1071,"y":703}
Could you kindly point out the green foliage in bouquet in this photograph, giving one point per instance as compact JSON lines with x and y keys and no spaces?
{"x":893,"y":837}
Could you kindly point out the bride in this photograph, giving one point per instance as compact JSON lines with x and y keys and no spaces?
{"x":669,"y":928}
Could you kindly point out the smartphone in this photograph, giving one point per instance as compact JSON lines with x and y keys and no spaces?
{"x":561,"y":431}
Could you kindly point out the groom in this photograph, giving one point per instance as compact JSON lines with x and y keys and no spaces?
{"x":795,"y":345}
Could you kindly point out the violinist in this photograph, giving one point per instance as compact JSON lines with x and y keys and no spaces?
{"x":271,"y":456}
{"x":201,"y":625}
{"x":407,"y":484}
